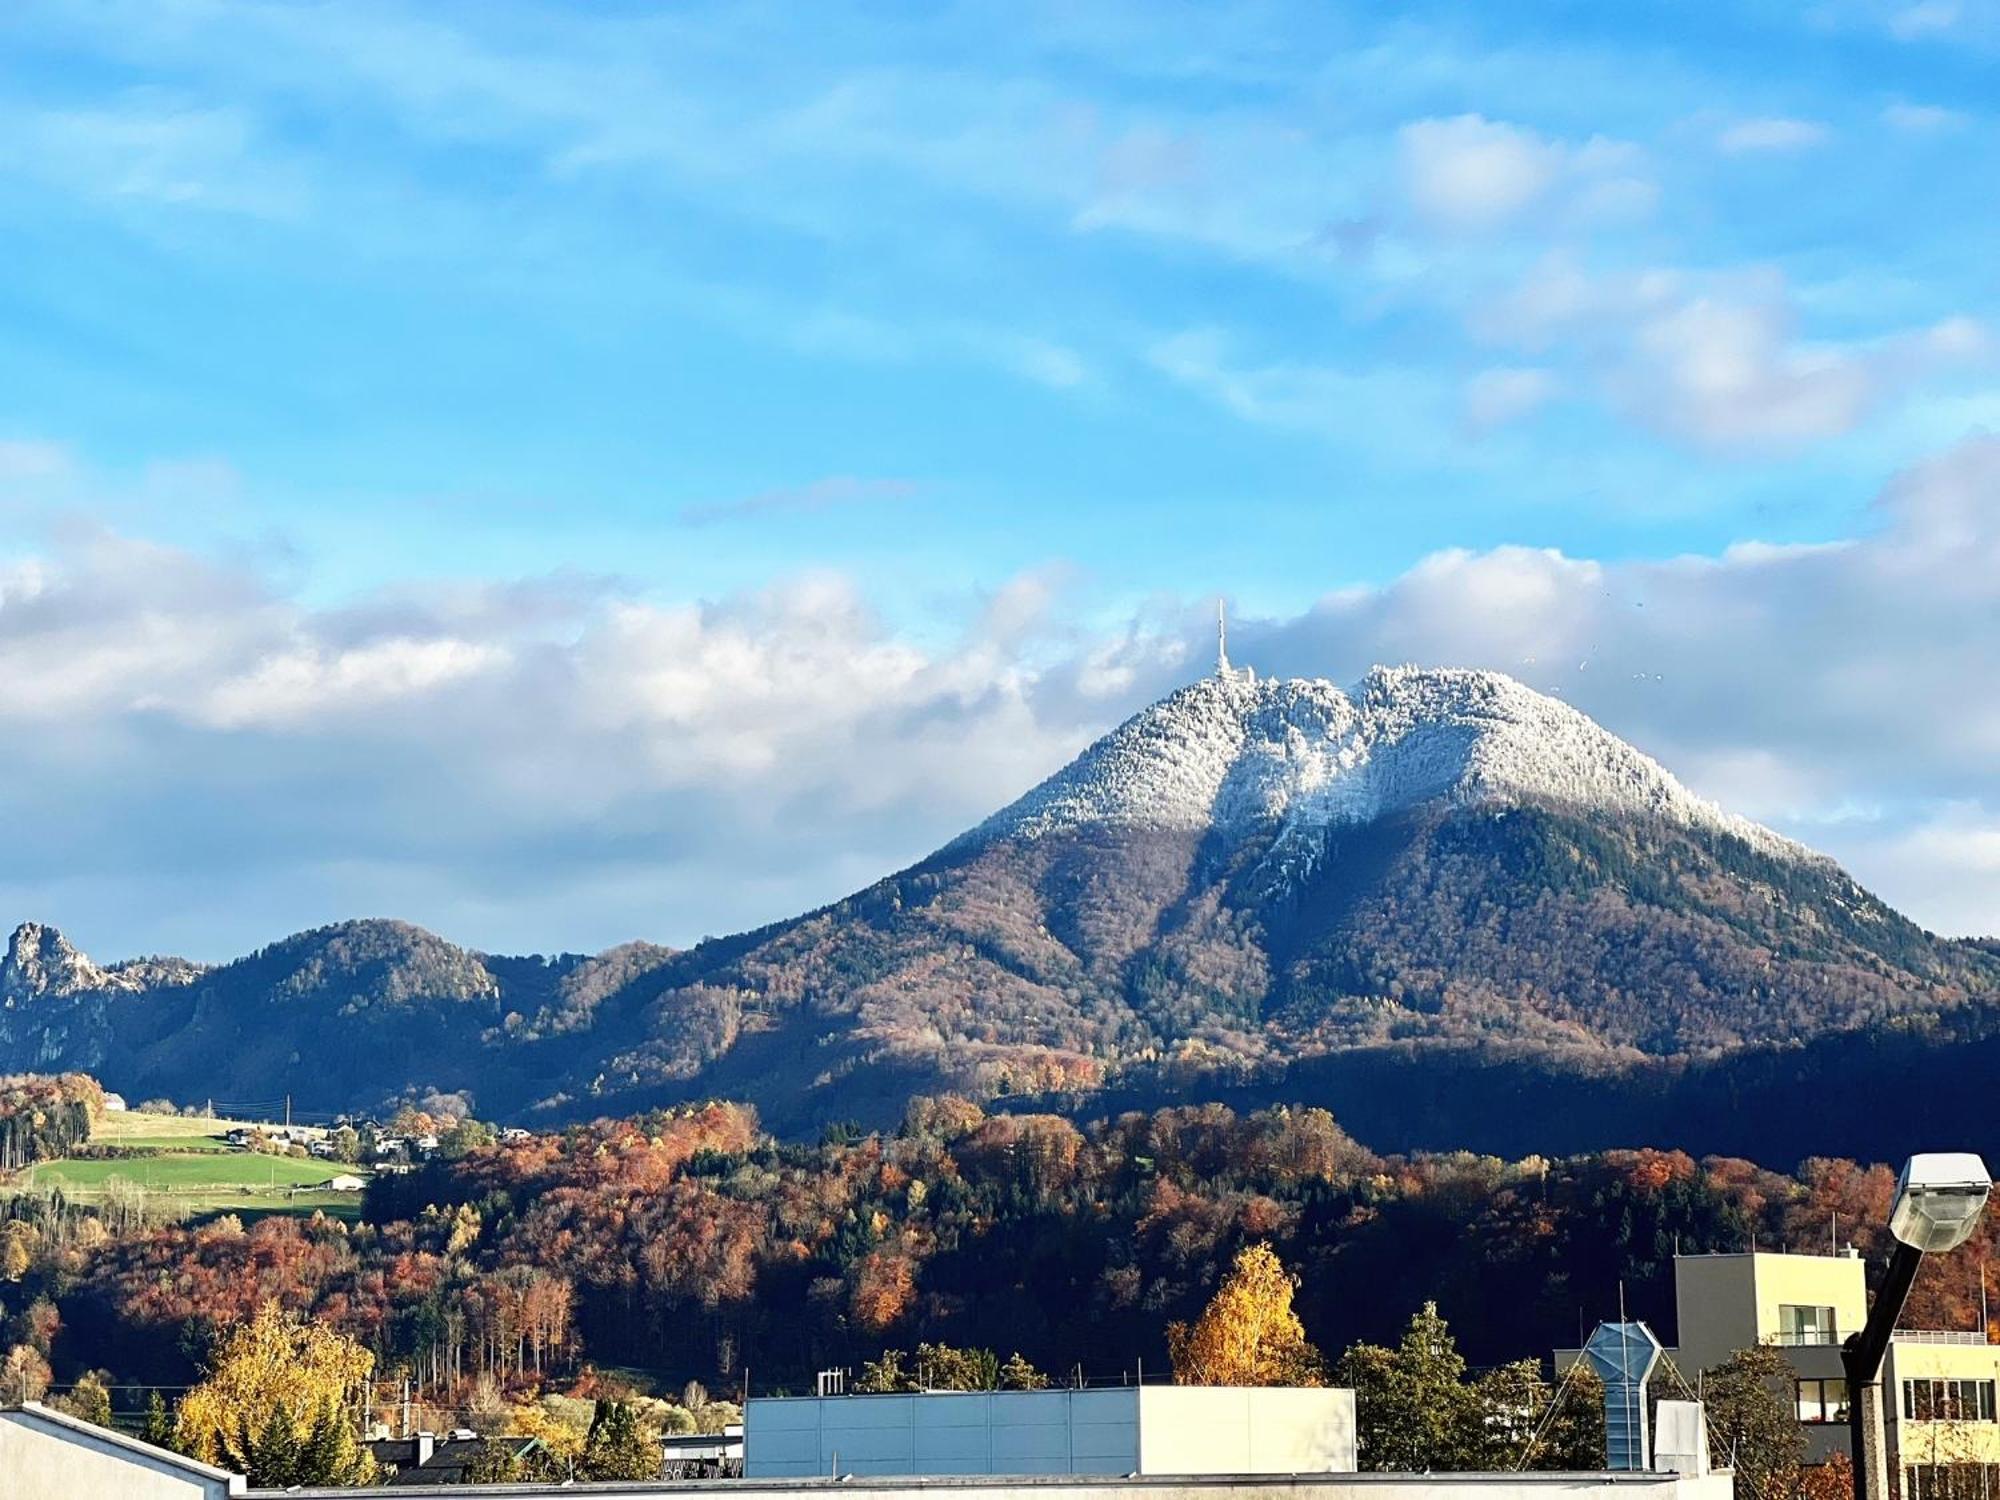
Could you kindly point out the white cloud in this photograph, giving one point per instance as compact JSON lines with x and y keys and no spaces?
{"x":1852,"y":660}
{"x":1730,"y":373}
{"x":24,"y":461}
{"x":1494,"y":398}
{"x":1471,"y":173}
{"x":191,"y":758}
{"x":1923,"y":119}
{"x":1925,"y":19}
{"x":1474,"y":172}
{"x":1771,"y":134}
{"x":1719,"y":361}
{"x":1941,"y":866}
{"x":170,"y":725}
{"x":1382,"y":405}
{"x":155,"y":151}
{"x":312,"y":681}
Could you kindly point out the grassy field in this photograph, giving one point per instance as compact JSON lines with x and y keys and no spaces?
{"x":189,"y":1163}
{"x":166,"y":1132}
{"x":193,"y":1171}
{"x":175,"y":1143}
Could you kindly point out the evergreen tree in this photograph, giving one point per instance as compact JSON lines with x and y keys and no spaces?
{"x":274,"y":1457}
{"x":328,"y":1455}
{"x":1413,"y":1410}
{"x":159,"y":1428}
{"x":618,"y":1447}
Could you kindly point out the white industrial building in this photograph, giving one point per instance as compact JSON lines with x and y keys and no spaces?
{"x":50,"y":1455}
{"x":1174,"y":1442}
{"x":1153,"y":1429}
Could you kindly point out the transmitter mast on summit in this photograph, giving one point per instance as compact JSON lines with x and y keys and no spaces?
{"x":1223,"y":671}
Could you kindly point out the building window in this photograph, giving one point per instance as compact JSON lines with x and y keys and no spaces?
{"x":1823,"y":1400}
{"x":1806,"y":1325}
{"x":1951,"y":1481}
{"x":1948,"y":1401}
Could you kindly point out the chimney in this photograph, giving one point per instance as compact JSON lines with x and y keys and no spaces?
{"x":426,"y":1446}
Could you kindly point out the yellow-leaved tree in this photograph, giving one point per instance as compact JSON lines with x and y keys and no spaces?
{"x":280,"y":1404}
{"x":1248,"y":1333}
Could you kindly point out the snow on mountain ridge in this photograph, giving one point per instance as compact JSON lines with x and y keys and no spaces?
{"x":1233,"y":752}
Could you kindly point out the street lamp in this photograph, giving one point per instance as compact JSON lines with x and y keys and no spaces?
{"x":1939,"y":1199}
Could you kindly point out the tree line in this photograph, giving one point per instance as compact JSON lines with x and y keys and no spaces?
{"x":689,"y":1243}
{"x":43,"y":1117}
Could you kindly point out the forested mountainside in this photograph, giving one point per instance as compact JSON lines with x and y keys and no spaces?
{"x":692,"y":1245}
{"x":1251,"y":884}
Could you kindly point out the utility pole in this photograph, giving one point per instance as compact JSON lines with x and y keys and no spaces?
{"x":288,"y":1111}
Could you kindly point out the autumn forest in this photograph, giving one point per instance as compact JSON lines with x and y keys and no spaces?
{"x":689,"y":1246}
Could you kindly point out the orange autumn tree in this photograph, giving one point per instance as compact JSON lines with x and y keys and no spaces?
{"x":1248,"y":1333}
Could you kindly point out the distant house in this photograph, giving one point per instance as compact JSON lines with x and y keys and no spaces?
{"x":239,"y":1137}
{"x":344,"y":1182}
{"x":115,"y":1102}
{"x":516,"y":1133}
{"x":435,"y":1459}
{"x":703,"y":1455}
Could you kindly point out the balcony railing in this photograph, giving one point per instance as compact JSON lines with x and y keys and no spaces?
{"x":1817,"y":1338}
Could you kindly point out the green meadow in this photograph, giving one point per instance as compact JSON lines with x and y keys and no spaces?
{"x":187,"y":1162}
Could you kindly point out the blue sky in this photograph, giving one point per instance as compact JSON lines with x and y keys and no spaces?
{"x":372,"y":372}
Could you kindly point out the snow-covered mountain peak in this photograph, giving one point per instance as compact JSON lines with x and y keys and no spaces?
{"x":1234,"y":753}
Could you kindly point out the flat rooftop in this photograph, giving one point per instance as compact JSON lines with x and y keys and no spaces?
{"x":1269,"y":1485}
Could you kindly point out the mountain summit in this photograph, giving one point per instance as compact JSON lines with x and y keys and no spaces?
{"x":41,"y":962}
{"x":1429,"y":867}
{"x":1239,"y":755}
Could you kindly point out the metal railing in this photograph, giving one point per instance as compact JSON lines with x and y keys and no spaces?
{"x":1816,"y":1338}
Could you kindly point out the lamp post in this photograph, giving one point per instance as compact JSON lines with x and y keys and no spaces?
{"x":1939,"y":1199}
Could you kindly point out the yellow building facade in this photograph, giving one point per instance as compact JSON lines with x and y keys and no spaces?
{"x":1938,"y":1387}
